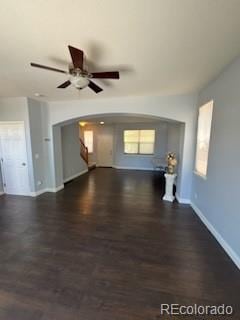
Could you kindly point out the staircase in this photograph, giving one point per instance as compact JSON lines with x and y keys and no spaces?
{"x":84,"y":155}
{"x":83,"y":151}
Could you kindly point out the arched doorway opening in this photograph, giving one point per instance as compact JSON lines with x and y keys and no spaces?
{"x":169,"y":136}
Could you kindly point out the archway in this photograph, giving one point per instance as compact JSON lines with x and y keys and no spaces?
{"x":57,"y":151}
{"x":180,"y":108}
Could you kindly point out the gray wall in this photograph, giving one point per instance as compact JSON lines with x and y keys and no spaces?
{"x":167,"y":138}
{"x":179,"y":108}
{"x":44,"y":171}
{"x":140,"y":161}
{"x":173,"y":138}
{"x":1,"y":182}
{"x":37,"y":143}
{"x":35,"y":116}
{"x":16,"y":109}
{"x":56,"y":158}
{"x":72,"y":162}
{"x":47,"y":146}
{"x":218,"y":196}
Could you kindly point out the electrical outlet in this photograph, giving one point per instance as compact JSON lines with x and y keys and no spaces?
{"x":195,"y":195}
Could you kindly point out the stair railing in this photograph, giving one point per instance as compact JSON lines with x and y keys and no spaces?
{"x":83,"y":151}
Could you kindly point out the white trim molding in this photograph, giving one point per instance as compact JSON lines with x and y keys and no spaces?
{"x":55,"y":189}
{"x":39,"y":192}
{"x":182,"y":200}
{"x":134,"y":168}
{"x":75,"y":176}
{"x":227,"y":248}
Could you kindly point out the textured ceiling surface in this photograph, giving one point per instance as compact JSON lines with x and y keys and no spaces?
{"x":161,"y":47}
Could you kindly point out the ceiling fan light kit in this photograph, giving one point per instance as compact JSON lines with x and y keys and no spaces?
{"x":78,"y":76}
{"x":79,"y":82}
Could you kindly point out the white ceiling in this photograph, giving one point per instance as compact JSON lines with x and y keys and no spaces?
{"x":162,"y":47}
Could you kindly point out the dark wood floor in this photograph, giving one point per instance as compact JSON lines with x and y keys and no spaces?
{"x":107,"y":248}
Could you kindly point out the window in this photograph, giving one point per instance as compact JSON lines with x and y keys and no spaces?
{"x":139,"y":141}
{"x":203,"y":138}
{"x":88,"y":140}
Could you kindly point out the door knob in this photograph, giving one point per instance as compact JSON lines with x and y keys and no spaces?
{"x":23,"y":164}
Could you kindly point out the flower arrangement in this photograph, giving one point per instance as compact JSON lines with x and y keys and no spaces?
{"x":171,"y":162}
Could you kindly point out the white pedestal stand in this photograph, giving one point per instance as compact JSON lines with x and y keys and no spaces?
{"x":169,"y":187}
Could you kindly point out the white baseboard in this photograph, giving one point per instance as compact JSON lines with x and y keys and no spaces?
{"x":55,"y":189}
{"x":231,"y":253}
{"x":182,"y":200}
{"x":30,"y":194}
{"x":134,"y":168}
{"x":39,"y":192}
{"x":27,"y":194}
{"x":75,"y":176}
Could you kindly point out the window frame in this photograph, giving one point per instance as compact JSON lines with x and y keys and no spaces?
{"x":138,"y":143}
{"x":196,"y":171}
{"x":89,"y":130}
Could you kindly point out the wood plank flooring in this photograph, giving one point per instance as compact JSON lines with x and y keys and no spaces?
{"x":107,"y":247}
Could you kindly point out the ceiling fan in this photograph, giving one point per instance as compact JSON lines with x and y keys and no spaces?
{"x":79,"y":77}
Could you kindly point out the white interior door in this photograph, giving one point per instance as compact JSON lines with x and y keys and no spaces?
{"x":13,"y":155}
{"x":105,"y":146}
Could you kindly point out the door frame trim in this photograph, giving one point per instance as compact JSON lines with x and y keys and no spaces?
{"x":25,"y":138}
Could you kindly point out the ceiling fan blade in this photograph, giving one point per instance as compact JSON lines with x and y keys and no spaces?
{"x":106,"y":75}
{"x":94,"y":87}
{"x":77,"y":57}
{"x":64,"y":84}
{"x":46,"y":67}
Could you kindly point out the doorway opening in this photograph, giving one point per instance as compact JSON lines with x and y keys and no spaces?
{"x":131,"y":142}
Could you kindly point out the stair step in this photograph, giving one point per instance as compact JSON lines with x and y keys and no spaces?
{"x":91,"y":166}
